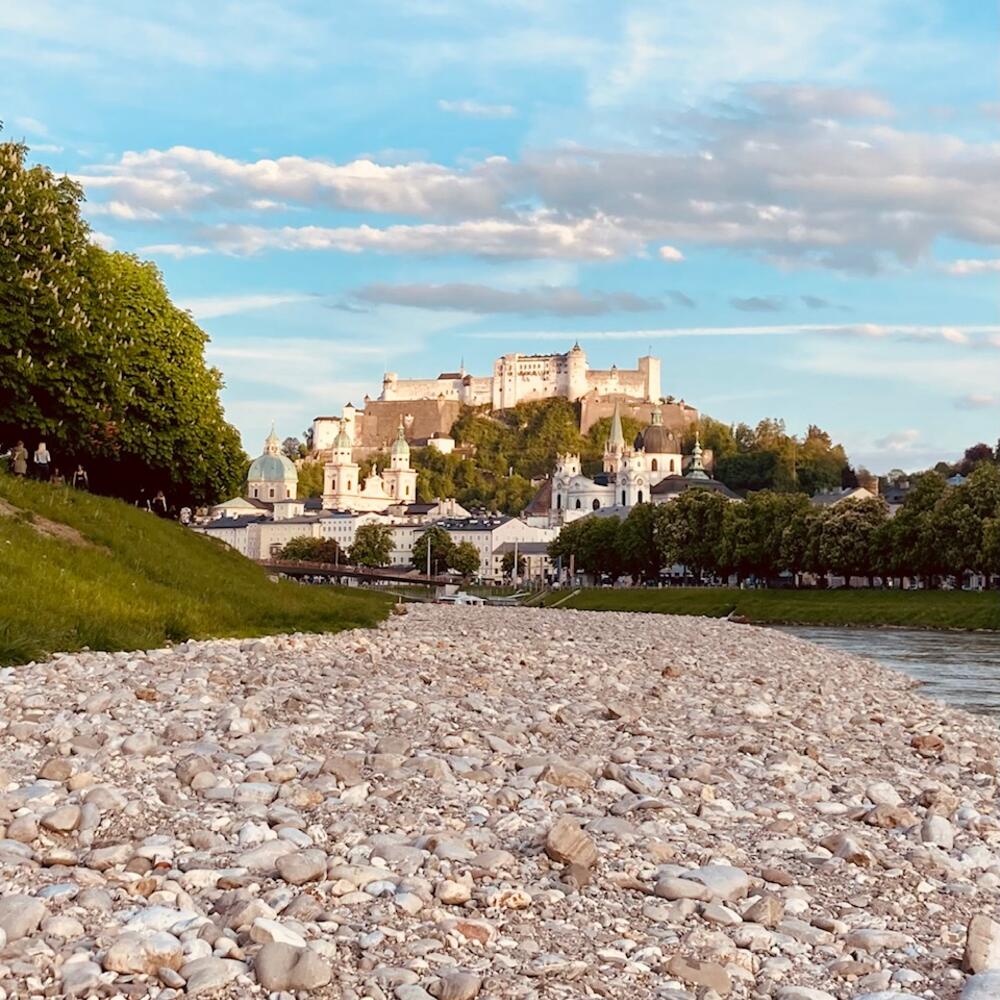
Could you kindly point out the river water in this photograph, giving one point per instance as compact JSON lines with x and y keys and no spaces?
{"x":961,"y":668}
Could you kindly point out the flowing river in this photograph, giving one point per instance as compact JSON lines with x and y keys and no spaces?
{"x":962,"y":668}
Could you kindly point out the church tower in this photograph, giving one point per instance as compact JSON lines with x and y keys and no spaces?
{"x":400,"y":480}
{"x":615,"y":447}
{"x":340,"y":474}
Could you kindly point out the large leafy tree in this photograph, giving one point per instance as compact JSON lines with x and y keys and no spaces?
{"x":464,"y":559}
{"x":693,"y":530}
{"x":305,"y":548}
{"x":848,"y":538}
{"x":753,"y":535}
{"x":95,"y":359}
{"x":441,"y":548}
{"x":639,"y":540}
{"x":372,"y":545}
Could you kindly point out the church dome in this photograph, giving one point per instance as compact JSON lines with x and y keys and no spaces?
{"x":656,"y":439}
{"x":272,"y":466}
{"x":343,"y":439}
{"x":272,"y":469}
{"x":400,"y":449}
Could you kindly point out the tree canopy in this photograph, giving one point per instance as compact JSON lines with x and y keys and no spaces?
{"x":94,"y":357}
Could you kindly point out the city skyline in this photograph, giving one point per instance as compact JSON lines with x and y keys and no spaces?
{"x":797,"y":209}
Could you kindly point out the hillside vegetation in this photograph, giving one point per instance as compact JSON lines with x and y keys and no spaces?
{"x":912,"y":609}
{"x":78,"y":570}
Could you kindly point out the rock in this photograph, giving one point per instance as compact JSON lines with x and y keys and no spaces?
{"x":207,"y":975}
{"x":453,"y":893}
{"x":133,"y":952}
{"x":56,"y":769}
{"x":722,"y":881}
{"x":23,"y":829}
{"x":264,"y":931}
{"x":284,"y":967}
{"x":881,"y":793}
{"x":768,"y":911}
{"x":62,"y":820}
{"x":671,"y":887}
{"x":803,"y":993}
{"x":79,"y":975}
{"x":566,"y":775}
{"x":982,"y":944}
{"x":302,"y":866}
{"x":20,"y":916}
{"x":567,"y":843}
{"x":982,"y":986}
{"x":457,"y":986}
{"x":937,"y":830}
{"x":141,"y":743}
{"x":699,"y":973}
{"x":873,"y":939}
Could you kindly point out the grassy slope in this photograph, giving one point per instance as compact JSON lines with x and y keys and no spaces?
{"x":143,"y":582}
{"x":916,"y":609}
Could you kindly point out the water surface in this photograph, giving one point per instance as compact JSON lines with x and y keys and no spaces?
{"x":961,"y":668}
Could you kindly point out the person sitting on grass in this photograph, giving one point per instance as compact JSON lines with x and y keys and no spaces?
{"x":58,"y":479}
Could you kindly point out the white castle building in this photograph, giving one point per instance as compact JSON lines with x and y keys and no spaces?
{"x":518,"y":378}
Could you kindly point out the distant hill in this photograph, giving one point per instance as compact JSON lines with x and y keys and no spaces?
{"x":79,"y":570}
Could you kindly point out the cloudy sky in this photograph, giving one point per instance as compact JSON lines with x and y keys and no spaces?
{"x":797,"y":204}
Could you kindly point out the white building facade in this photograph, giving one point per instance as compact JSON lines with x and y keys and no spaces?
{"x":519,"y":378}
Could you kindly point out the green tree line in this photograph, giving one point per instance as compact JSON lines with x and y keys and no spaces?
{"x":94,"y":357}
{"x":941,"y":533}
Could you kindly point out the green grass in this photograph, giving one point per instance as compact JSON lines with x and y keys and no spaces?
{"x":911,"y":609}
{"x":142,"y":583}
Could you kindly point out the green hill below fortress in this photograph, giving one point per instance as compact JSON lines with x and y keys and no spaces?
{"x":87,"y":571}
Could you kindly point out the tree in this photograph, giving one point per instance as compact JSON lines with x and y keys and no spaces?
{"x":372,"y":545}
{"x":507,"y":565}
{"x":441,"y":547}
{"x":310,"y":480}
{"x":848,"y":536}
{"x":692,"y":531}
{"x":593,"y":544}
{"x":638,"y":538}
{"x":753,"y":533}
{"x":96,"y":359}
{"x":906,"y":542}
{"x":800,"y":541}
{"x":309,"y":549}
{"x":974,"y":456}
{"x":292,"y":448}
{"x":464,"y":559}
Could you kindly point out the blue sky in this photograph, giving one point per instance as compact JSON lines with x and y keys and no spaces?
{"x":796,"y":204}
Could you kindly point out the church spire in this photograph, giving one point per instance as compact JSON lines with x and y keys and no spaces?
{"x":616,"y":439}
{"x":697,"y":468}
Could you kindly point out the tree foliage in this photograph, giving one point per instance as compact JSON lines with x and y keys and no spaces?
{"x":309,"y":549}
{"x":464,"y":559}
{"x":372,"y":545}
{"x":441,"y":547}
{"x":94,"y":357}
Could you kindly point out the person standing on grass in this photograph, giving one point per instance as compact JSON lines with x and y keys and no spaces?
{"x":160,"y":504}
{"x":80,"y":480}
{"x":19,"y":460}
{"x":43,"y":462}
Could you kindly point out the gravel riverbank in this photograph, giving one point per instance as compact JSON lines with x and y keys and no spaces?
{"x":492,"y":802}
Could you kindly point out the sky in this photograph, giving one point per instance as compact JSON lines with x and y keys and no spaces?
{"x":795,"y":205}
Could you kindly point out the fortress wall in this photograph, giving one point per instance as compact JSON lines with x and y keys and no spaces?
{"x":378,"y":423}
{"x":677,"y":417}
{"x":422,"y":389}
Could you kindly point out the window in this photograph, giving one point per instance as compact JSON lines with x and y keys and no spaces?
{"x":558,"y":501}
{"x":255,"y":492}
{"x":671,"y":465}
{"x":655,"y":465}
{"x":578,"y":505}
{"x":640,"y":496}
{"x":406,"y":492}
{"x":348,"y":486}
{"x":623,"y":498}
{"x":597,"y":505}
{"x":270,"y":493}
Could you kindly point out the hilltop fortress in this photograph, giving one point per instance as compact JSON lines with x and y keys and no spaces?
{"x":427,"y":408}
{"x":518,"y":378}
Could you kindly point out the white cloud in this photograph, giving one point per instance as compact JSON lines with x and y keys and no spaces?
{"x":670,"y":254}
{"x":972,"y":266}
{"x":212,"y":306}
{"x":46,"y":147}
{"x":476,"y":109}
{"x":487,"y":300}
{"x":793,"y":192}
{"x":31,"y":125}
{"x":899,"y":441}
{"x":532,"y":237}
{"x":103,"y":240}
{"x":179,"y":251}
{"x":978,"y":401}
